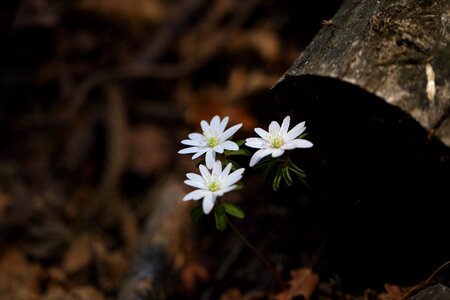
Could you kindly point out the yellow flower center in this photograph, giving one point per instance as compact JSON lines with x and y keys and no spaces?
{"x":212,"y":142}
{"x":214,"y":186}
{"x":277,"y":142}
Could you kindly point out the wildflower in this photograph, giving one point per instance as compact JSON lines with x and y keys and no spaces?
{"x":214,"y":139}
{"x":211,"y":185}
{"x":277,"y":140}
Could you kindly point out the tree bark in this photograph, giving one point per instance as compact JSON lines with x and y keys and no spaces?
{"x":378,"y":175}
{"x":398,"y":50}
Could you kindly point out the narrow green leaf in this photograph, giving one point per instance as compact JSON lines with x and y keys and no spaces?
{"x":303,"y":135}
{"x":299,"y":174}
{"x":221,"y":217}
{"x":297,"y":170}
{"x":241,"y":151}
{"x":239,"y":186}
{"x":234,"y":210}
{"x":287,"y":177}
{"x":196,"y":213}
{"x":240,"y":142}
{"x":276,"y":182}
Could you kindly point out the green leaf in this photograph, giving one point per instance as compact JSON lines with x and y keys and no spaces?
{"x":302,"y":135}
{"x":276,"y":182}
{"x":241,"y":151}
{"x":234,"y":210}
{"x":297,"y":170}
{"x":287,"y":177}
{"x":221,"y":217}
{"x":196,"y":213}
{"x":299,"y":174}
{"x":239,"y":186}
{"x":240,"y":142}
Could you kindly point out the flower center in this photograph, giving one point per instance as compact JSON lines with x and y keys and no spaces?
{"x":214,"y":185}
{"x":276,"y":141}
{"x":211,"y":138}
{"x":213,"y":141}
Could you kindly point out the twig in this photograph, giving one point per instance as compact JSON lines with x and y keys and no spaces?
{"x":116,"y":147}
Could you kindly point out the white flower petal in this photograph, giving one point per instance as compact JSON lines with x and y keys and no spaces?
{"x":217,"y":168}
{"x":258,"y":155}
{"x":204,"y":171}
{"x":195,"y":136}
{"x":277,"y":152}
{"x":218,"y":148}
{"x":229,"y":145}
{"x":296,"y":131}
{"x":195,"y":195}
{"x":262,"y":133}
{"x":229,"y":132}
{"x":195,"y":177}
{"x":227,"y":170}
{"x":255,"y":142}
{"x":189,"y":150}
{"x":200,"y":152}
{"x":233,"y":177}
{"x":223,"y":124}
{"x":195,"y":143}
{"x":285,"y":125}
{"x":208,"y":203}
{"x":210,"y":158}
{"x":196,"y":184}
{"x":297,"y":143}
{"x":204,"y":125}
{"x":215,"y":122}
{"x":227,"y":189}
{"x":274,"y":127}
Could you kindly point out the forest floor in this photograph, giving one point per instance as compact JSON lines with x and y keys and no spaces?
{"x":96,"y":97}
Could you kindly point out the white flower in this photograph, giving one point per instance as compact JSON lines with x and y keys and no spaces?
{"x":277,"y":140}
{"x":211,"y":185}
{"x":213,"y":139}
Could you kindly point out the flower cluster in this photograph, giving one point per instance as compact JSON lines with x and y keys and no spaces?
{"x":215,"y":180}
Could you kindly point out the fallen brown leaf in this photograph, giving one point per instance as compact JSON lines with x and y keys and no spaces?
{"x":79,"y":254}
{"x":19,"y":279}
{"x":303,"y":283}
{"x":87,"y":293}
{"x":192,"y":273}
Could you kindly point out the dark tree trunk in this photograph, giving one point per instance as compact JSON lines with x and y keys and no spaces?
{"x":377,"y":173}
{"x":398,"y":50}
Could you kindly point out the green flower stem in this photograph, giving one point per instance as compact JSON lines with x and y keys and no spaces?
{"x":261,"y":257}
